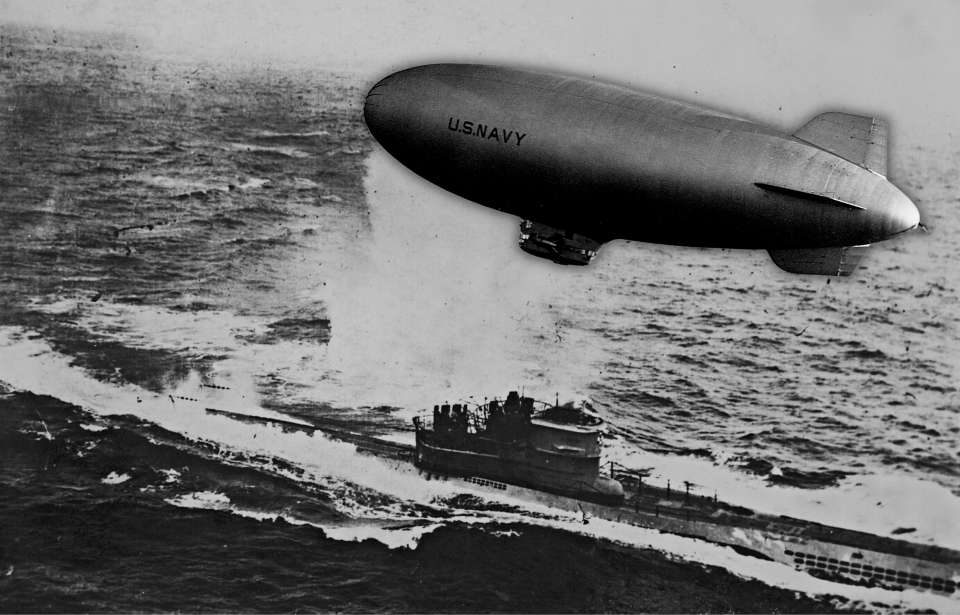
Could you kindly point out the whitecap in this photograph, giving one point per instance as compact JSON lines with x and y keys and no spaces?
{"x":210,"y":500}
{"x":407,"y":537}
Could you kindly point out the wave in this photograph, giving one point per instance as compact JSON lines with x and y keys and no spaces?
{"x":877,"y":355}
{"x":354,"y":481}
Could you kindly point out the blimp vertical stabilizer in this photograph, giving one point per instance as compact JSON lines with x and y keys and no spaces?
{"x":861,"y":140}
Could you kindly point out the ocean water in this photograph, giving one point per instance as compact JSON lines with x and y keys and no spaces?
{"x":180,"y":233}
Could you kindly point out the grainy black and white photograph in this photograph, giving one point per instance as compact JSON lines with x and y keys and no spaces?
{"x":460,"y":307}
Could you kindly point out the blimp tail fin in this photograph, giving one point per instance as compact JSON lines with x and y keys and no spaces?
{"x":861,"y":140}
{"x":839,"y":261}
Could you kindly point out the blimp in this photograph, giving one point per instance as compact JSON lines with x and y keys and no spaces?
{"x":582,"y":163}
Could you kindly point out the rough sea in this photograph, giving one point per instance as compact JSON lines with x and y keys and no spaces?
{"x":180,"y":233}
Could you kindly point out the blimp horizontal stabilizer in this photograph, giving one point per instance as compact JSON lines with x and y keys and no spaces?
{"x":840,"y":261}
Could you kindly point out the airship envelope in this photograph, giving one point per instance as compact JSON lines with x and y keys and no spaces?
{"x":583,"y":163}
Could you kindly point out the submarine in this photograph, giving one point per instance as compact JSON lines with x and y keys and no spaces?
{"x":551,"y":455}
{"x":554,"y":449}
{"x":583,"y":163}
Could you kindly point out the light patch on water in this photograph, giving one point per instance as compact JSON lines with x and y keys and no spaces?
{"x":271,"y":133}
{"x":302,"y":183}
{"x":221,"y":184}
{"x":407,"y":537}
{"x":208,"y":500}
{"x":253,"y":183}
{"x":59,"y":307}
{"x":505,"y":534}
{"x":197,"y":334}
{"x":87,"y":447}
{"x":115,"y":479}
{"x":392,"y":535}
{"x":41,"y":435}
{"x":291,"y":152}
{"x":201,"y":335}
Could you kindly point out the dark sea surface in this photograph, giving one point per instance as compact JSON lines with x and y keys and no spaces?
{"x":181,"y":233}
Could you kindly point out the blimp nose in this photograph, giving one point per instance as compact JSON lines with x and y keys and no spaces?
{"x":392,"y":109}
{"x":375,"y":106}
{"x":400,"y":112}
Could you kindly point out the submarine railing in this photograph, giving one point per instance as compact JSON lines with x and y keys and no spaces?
{"x":811,"y":530}
{"x":633,"y":481}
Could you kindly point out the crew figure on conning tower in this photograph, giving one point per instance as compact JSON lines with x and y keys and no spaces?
{"x":450,"y":423}
{"x":510,"y":420}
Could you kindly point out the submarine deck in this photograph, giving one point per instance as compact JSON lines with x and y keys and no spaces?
{"x":672,"y":510}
